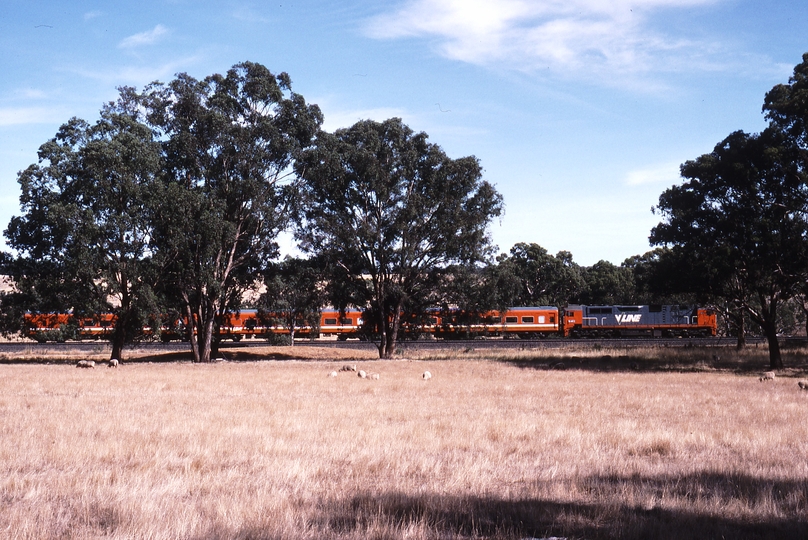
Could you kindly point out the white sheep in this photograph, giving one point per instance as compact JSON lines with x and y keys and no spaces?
{"x":113,"y":363}
{"x":85,"y":364}
{"x":361,"y":374}
{"x":332,"y":374}
{"x":426,"y":376}
{"x":767,"y":376}
{"x":374,"y":376}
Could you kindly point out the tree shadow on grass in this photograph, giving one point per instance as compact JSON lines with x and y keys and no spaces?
{"x":696,"y":361}
{"x":228,"y":355}
{"x":782,"y":514}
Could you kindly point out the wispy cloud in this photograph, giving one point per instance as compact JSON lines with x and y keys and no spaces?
{"x":149,"y":37}
{"x":138,"y":75}
{"x":14,"y":116}
{"x":661,"y":174}
{"x":92,"y":15}
{"x":249,"y":14}
{"x":569,"y":37}
{"x":335,"y":119}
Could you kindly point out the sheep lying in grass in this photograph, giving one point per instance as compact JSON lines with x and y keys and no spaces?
{"x":767,"y":376}
{"x":426,"y":376}
{"x":362,"y":374}
{"x":348,"y":367}
{"x":332,"y":374}
{"x":803,"y":385}
{"x":374,"y":376}
{"x":113,"y":363}
{"x":85,"y":364}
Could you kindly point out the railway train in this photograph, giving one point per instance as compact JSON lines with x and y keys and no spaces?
{"x":574,"y":321}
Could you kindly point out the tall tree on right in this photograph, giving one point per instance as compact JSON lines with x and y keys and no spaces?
{"x":740,"y":218}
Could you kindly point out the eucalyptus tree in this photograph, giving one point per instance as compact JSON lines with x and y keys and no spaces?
{"x":229,"y":189}
{"x":294,"y":294}
{"x":392,"y":211}
{"x":82,"y":241}
{"x":739,"y":220}
{"x":539,"y":277}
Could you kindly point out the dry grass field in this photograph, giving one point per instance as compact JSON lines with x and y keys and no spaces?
{"x":495,"y":445}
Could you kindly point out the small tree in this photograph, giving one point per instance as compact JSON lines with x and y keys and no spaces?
{"x":391,"y":210}
{"x":543,"y":279}
{"x":294,"y":294}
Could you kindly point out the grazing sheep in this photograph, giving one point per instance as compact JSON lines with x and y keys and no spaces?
{"x":374,"y":376}
{"x":361,"y":374}
{"x":348,"y":367}
{"x":767,"y":376}
{"x":332,"y":374}
{"x":85,"y":364}
{"x":803,"y":385}
{"x":426,"y":376}
{"x":113,"y":363}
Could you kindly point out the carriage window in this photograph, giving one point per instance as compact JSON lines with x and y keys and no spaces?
{"x":527,"y":320}
{"x":330,"y":321}
{"x":346,"y":321}
{"x":511,"y":319}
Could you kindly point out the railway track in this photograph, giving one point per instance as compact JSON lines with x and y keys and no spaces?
{"x":481,"y":344}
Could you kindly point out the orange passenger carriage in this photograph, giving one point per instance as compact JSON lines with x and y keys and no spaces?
{"x":523,"y":322}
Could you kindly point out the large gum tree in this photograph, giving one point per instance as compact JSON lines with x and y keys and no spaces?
{"x":391,"y":211}
{"x":739,"y":219}
{"x":82,"y":241}
{"x":229,"y":188}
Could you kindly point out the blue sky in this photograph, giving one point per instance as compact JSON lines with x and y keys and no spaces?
{"x":580,"y":111}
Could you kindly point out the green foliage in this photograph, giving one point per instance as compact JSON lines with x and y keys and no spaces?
{"x":381,"y":201}
{"x":229,"y":143}
{"x":83,"y":238}
{"x":738,"y":223}
{"x":294,"y":293}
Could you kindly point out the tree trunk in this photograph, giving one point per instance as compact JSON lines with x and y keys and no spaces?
{"x":192,"y":332}
{"x":118,"y":339}
{"x":775,"y":360}
{"x":207,"y":338}
{"x":392,"y":340}
{"x":741,"y":334}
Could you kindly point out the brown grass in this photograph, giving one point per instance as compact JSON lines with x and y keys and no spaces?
{"x":504,"y":449}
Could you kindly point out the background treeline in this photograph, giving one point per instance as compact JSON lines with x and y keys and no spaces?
{"x":169,"y":207}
